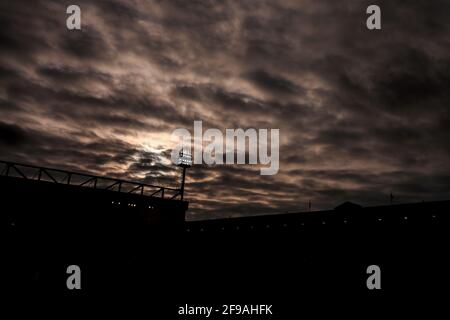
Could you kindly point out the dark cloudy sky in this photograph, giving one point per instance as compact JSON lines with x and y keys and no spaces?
{"x":360,"y":113}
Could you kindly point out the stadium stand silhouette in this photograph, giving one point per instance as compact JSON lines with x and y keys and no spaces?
{"x":129,"y":237}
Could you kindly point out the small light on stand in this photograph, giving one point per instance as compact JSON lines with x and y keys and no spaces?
{"x":185,"y":162}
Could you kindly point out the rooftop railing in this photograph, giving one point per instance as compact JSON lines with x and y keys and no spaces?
{"x":58,"y":176}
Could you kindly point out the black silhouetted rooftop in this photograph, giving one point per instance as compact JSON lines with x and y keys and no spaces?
{"x":58,"y":176}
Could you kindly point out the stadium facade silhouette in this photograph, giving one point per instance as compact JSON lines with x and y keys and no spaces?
{"x":76,"y":201}
{"x":128,"y":236}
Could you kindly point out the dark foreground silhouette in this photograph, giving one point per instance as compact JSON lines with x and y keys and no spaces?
{"x":138,"y":249}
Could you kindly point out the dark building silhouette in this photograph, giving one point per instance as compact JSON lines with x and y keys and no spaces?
{"x":42,"y":199}
{"x":133,"y":238}
{"x":36,"y":199}
{"x":54,"y":218}
{"x":347,"y":216}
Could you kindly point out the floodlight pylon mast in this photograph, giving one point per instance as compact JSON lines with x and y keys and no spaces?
{"x":182,"y":182}
{"x":185,"y":162}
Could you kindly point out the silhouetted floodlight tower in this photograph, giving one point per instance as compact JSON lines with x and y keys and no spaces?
{"x":185,"y":162}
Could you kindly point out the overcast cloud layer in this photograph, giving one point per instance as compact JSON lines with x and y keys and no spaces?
{"x":361,"y":114}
